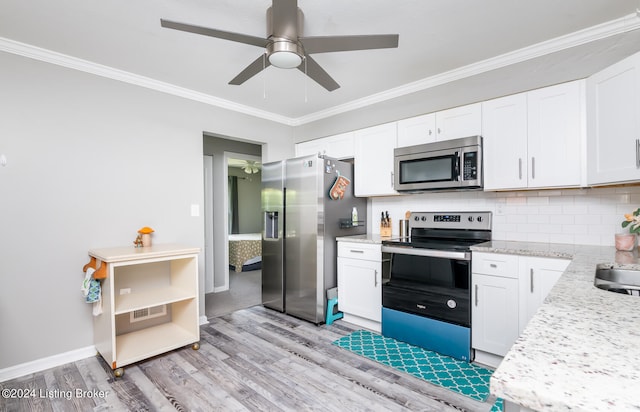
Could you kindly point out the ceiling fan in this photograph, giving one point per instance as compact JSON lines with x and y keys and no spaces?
{"x":251,"y":167}
{"x":286,"y":47}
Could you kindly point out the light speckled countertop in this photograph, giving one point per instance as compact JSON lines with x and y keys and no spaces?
{"x":365,"y":238}
{"x":580,"y":352}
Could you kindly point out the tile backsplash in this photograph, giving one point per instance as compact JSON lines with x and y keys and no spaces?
{"x":582,"y":216}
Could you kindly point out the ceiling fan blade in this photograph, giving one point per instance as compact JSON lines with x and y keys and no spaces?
{"x":251,"y":70}
{"x":285,"y":19}
{"x":317,"y":73}
{"x":325,"y":44}
{"x":220,"y":34}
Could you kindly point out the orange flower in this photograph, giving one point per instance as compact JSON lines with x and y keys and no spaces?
{"x":632,"y":221}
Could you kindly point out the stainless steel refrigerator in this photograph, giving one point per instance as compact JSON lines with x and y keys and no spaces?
{"x":306,"y":203}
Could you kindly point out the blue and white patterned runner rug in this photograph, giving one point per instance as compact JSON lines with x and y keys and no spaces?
{"x":458,"y":376}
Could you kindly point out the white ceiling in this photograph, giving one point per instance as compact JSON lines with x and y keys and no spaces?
{"x":436,"y":37}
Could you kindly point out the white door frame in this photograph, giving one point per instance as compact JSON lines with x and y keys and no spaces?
{"x":208,"y":224}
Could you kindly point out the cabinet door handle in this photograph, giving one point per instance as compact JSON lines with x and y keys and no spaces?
{"x":439,"y":131}
{"x":637,"y":153}
{"x":520,"y":168}
{"x":533,"y":167}
{"x":392,"y":180}
{"x":476,"y":295}
{"x":531,"y":279}
{"x":375,"y":278}
{"x":430,"y":132}
{"x":356,"y":251}
{"x":493,"y":265}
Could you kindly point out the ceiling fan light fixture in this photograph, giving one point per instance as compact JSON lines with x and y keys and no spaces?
{"x":284,"y":54}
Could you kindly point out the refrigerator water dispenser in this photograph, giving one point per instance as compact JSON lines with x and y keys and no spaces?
{"x":271,"y":225}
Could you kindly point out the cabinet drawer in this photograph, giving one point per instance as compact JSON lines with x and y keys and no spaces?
{"x":495,"y":264}
{"x":364,"y":251}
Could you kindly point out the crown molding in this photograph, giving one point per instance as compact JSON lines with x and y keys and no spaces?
{"x":49,"y":56}
{"x":614,"y":27}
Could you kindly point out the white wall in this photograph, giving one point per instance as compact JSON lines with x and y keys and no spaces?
{"x":89,"y":161}
{"x":249,"y":200}
{"x":581,"y":216}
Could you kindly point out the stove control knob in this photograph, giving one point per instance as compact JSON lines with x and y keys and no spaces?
{"x":479,"y":219}
{"x":452,"y":303}
{"x":416,"y":218}
{"x":470,"y":218}
{"x":424,"y":218}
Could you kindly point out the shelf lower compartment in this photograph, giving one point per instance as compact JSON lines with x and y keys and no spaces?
{"x":136,"y":346}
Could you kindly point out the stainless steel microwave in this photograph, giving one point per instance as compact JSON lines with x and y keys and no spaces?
{"x":447,"y":165}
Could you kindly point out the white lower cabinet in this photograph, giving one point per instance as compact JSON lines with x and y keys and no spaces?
{"x":537,"y":277}
{"x":360,"y":283}
{"x":495,"y":313}
{"x":506,"y":292}
{"x":494,"y":310}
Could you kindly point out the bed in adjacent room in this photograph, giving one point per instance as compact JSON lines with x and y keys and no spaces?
{"x":245,"y":251}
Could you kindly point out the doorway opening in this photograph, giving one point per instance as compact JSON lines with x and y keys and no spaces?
{"x":233,"y":239}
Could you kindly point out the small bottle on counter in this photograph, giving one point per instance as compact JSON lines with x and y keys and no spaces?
{"x":354,"y":216}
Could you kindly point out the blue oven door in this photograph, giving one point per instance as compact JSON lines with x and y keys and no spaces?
{"x":431,"y":334}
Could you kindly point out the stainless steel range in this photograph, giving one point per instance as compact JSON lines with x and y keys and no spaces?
{"x":426,"y":297}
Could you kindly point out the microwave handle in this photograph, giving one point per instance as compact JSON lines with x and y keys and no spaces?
{"x":456,"y":171}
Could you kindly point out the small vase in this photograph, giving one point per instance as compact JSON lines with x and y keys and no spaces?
{"x":625,"y":241}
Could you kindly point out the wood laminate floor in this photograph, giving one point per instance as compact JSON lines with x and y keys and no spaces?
{"x":253,"y":359}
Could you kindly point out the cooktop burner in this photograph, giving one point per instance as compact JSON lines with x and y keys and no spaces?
{"x":456,"y":231}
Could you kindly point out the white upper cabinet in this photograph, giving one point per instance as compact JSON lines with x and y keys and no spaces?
{"x":417,"y":130}
{"x":613,"y":123}
{"x":504,"y":132}
{"x":556,"y":135}
{"x":459,"y":122}
{"x":535,"y":139}
{"x":340,"y":146}
{"x":447,"y":124}
{"x":373,"y":165}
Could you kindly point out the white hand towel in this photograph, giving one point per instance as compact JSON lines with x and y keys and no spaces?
{"x":86,"y":283}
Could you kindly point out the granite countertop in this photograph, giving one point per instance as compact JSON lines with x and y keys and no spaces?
{"x":580,"y":351}
{"x":365,"y":238}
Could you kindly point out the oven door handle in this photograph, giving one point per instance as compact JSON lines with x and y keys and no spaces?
{"x":446,"y":254}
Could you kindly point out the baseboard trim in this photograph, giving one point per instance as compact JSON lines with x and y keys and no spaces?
{"x":38,"y":365}
{"x":487,"y":359}
{"x":203,"y":320}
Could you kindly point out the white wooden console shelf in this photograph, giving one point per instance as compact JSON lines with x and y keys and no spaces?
{"x":149,"y":302}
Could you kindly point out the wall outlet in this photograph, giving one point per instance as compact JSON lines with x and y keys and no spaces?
{"x":125,"y":291}
{"x":500,"y":209}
